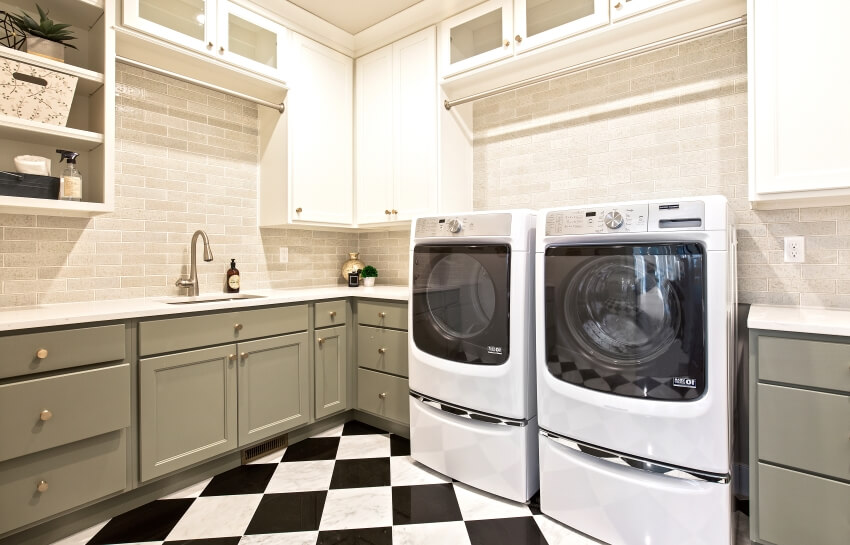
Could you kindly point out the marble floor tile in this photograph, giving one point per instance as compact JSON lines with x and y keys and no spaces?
{"x":358,"y":508}
{"x":290,"y":512}
{"x":434,"y":533}
{"x":289,"y":538}
{"x":322,"y":448}
{"x":404,"y":471}
{"x":505,"y":531}
{"x":362,"y":472}
{"x":301,"y":477}
{"x":191,"y":491}
{"x":336,"y":431}
{"x":216,"y":516}
{"x":476,"y":504}
{"x":363,"y":446}
{"x":425,"y":503}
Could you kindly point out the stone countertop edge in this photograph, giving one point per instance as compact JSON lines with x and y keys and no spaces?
{"x":821,"y":321}
{"x":62,"y":314}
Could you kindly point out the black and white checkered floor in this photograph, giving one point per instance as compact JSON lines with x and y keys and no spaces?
{"x":353,"y":485}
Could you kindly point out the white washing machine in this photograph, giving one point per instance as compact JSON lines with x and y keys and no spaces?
{"x":471,"y":339}
{"x":636,"y":328}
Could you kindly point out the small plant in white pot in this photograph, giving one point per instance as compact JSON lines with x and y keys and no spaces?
{"x":368,"y":275}
{"x":44,"y":37}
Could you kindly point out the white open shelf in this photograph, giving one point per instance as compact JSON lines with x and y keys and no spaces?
{"x":24,"y":130}
{"x":26,"y":205}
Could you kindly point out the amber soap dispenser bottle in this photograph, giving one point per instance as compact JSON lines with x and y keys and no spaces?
{"x":233,"y":279}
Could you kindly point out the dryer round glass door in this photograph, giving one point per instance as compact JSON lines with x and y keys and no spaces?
{"x":460,"y":302}
{"x":627,"y":320}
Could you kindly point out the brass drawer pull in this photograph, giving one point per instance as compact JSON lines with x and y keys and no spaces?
{"x":518,"y":39}
{"x":209,"y":45}
{"x":618,"y":5}
{"x":387,"y":212}
{"x":382,"y":395}
{"x":507,"y":43}
{"x":320,"y":341}
{"x":232,"y":357}
{"x":237,"y":327}
{"x":243,"y":355}
{"x":298,"y":210}
{"x":45,"y":415}
{"x":221,"y":49}
{"x":395,"y":211}
{"x":41,"y":354}
{"x":382,"y":351}
{"x":332,"y":313}
{"x":42,"y":486}
{"x":382,"y":315}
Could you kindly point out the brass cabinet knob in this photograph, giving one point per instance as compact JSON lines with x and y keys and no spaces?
{"x":518,"y":39}
{"x":387,"y":212}
{"x":41,"y":354}
{"x":395,"y":211}
{"x":237,"y":327}
{"x":42,"y":486}
{"x":382,"y":351}
{"x":507,"y":43}
{"x":243,"y":355}
{"x":231,"y":357}
{"x":298,"y":210}
{"x":332,"y":313}
{"x":45,"y":415}
{"x":618,"y":5}
{"x":382,"y":395}
{"x":209,"y":45}
{"x":320,"y":340}
{"x":382,"y":315}
{"x":221,"y":49}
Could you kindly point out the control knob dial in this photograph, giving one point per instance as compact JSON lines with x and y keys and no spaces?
{"x":613,"y":220}
{"x":454,"y":225}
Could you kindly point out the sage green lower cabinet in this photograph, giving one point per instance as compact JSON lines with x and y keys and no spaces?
{"x":273,"y":386}
{"x":383,"y":395}
{"x":331,"y":364}
{"x":187,"y":408}
{"x":49,"y":482}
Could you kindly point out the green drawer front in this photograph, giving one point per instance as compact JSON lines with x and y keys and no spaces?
{"x":799,"y":509}
{"x":329,"y":313}
{"x":173,"y":334}
{"x":808,"y":363}
{"x":382,"y":314}
{"x":383,"y":395}
{"x":382,"y":349}
{"x":80,"y":405}
{"x":804,"y":429}
{"x":61,"y":349}
{"x":75,"y":474}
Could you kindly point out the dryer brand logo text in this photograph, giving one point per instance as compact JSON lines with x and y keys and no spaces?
{"x":494,"y":349}
{"x":685,"y":382}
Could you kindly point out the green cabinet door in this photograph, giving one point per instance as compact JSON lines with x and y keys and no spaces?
{"x":187,"y":409}
{"x":331,"y":364}
{"x":273,"y":386}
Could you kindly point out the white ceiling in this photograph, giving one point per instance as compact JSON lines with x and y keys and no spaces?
{"x":354,"y":15}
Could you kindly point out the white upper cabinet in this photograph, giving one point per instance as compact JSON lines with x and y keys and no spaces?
{"x":218,"y":28}
{"x":539,"y":22}
{"x":799,"y":112}
{"x":476,"y":37}
{"x":620,"y":9}
{"x":397,"y":130}
{"x":320,"y":111}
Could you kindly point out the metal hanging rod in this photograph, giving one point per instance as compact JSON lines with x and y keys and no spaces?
{"x":279,"y":106}
{"x":600,"y":61}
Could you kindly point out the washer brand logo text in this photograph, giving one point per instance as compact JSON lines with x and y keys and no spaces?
{"x":494,"y":349}
{"x":685,"y":382}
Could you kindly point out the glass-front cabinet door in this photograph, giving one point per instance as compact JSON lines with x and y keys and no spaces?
{"x":190,"y":23}
{"x":539,"y":22}
{"x":249,"y":40}
{"x":476,"y":37}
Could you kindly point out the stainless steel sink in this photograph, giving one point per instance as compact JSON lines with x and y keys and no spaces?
{"x":213,"y":298}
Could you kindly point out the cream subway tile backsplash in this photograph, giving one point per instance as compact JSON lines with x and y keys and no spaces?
{"x":186,"y":159}
{"x":669,"y":123}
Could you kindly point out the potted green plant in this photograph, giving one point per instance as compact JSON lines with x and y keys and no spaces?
{"x":44,"y":37}
{"x":369,"y":274}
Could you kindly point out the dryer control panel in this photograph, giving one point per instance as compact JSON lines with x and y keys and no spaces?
{"x":631,"y":218}
{"x":478,"y":225}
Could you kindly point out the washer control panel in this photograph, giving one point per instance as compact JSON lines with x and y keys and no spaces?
{"x":592,"y":220}
{"x":478,"y":225}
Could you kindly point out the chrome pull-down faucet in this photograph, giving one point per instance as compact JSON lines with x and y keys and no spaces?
{"x":191,"y":283}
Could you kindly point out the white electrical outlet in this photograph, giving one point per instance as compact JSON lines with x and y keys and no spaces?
{"x":795,"y":249}
{"x":284,"y":255}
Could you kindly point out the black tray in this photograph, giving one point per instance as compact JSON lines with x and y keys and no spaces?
{"x":29,"y":185}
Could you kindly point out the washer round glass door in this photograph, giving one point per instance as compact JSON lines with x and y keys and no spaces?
{"x":460,"y":302}
{"x":627,"y":320}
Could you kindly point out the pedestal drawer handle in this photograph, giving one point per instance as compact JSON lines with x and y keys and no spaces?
{"x":237,"y":327}
{"x":45,"y":415}
{"x":382,"y":351}
{"x":41,"y":354}
{"x":42,"y":486}
{"x":382,"y":395}
{"x":332,"y":313}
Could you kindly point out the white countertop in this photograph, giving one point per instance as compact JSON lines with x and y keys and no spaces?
{"x":124,"y":309}
{"x":800,"y":319}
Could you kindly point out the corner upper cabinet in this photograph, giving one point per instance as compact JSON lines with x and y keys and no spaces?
{"x":799,"y":122}
{"x":476,"y":37}
{"x":320,"y":159}
{"x":397,"y":130}
{"x":539,"y":22}
{"x":218,"y":28}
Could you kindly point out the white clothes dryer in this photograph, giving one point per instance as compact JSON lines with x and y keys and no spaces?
{"x":471,"y":339}
{"x":636,"y":327}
